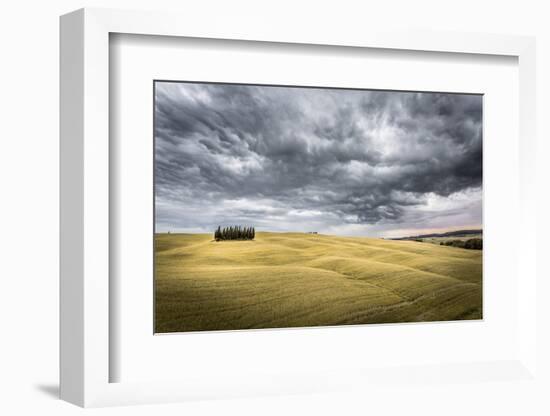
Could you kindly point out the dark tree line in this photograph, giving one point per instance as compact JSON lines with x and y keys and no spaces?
{"x":234,"y":233}
{"x":471,"y":244}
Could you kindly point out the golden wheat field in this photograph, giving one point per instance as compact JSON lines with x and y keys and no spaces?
{"x":284,"y":280}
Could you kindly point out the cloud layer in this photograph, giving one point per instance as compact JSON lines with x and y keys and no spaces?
{"x":350,"y":162}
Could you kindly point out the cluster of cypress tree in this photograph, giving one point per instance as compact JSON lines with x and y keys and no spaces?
{"x":235,"y":233}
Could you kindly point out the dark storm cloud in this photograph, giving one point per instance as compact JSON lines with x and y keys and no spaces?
{"x":271,"y":155}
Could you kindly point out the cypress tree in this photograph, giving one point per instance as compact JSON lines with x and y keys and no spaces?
{"x":234,"y":232}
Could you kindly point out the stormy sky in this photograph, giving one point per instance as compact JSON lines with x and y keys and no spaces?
{"x":345,"y":162}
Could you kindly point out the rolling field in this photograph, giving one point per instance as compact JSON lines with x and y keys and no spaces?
{"x":291,"y":279}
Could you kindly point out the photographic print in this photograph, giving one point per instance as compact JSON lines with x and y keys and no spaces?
{"x":289,"y":206}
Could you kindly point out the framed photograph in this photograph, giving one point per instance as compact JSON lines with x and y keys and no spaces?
{"x":288,"y":206}
{"x":264,"y":212}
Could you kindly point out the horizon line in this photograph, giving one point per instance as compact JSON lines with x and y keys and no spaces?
{"x":419,"y":234}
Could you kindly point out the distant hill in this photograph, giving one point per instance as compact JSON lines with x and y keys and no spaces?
{"x":459,"y":233}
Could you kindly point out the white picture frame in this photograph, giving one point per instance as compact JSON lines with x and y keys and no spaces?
{"x":85,"y":164}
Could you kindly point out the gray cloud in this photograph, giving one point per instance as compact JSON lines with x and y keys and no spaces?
{"x":342,"y":161}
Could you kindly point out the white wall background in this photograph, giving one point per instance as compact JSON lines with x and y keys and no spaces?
{"x":29,"y":206}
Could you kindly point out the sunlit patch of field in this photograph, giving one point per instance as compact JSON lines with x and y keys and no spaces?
{"x":284,"y":280}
